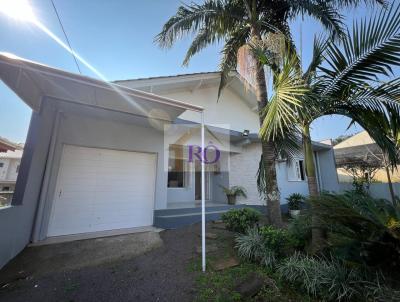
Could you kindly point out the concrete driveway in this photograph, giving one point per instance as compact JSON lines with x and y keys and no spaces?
{"x":148,"y":266}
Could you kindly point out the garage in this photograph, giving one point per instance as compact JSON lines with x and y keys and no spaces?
{"x":102,"y":189}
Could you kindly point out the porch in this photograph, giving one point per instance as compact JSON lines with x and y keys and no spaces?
{"x":173,"y":218}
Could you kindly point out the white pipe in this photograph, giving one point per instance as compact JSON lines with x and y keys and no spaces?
{"x":203,"y":206}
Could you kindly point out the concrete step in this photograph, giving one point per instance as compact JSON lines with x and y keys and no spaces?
{"x":175,"y":218}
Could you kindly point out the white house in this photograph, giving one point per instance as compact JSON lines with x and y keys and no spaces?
{"x":107,"y":157}
{"x":9,"y":168}
{"x":235,"y":111}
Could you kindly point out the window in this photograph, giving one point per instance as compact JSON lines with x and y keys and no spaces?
{"x":1,"y":165}
{"x":6,"y":189}
{"x":296,"y":170}
{"x":17,"y":169}
{"x":301,"y":170}
{"x":176,"y":168}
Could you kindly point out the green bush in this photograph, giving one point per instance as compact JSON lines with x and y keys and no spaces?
{"x":333,"y":280}
{"x":360,"y":228}
{"x":239,"y":220}
{"x":251,"y":246}
{"x":277,"y":240}
{"x":265,"y":245}
{"x":295,"y":200}
{"x":300,"y":230}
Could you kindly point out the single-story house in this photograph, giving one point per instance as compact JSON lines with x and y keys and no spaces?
{"x":358,"y":151}
{"x":105,"y":156}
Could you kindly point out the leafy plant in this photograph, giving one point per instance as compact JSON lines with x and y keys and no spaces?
{"x":300,"y":230}
{"x":239,"y":220}
{"x":295,"y":200}
{"x":235,"y":191}
{"x":252,"y":246}
{"x":264,"y":245}
{"x":332,"y":280}
{"x":360,"y":228}
{"x":278,"y":240}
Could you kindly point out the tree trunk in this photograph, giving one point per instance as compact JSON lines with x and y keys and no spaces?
{"x":309,"y":161}
{"x":318,"y":236}
{"x":390,"y":184}
{"x":268,"y":149}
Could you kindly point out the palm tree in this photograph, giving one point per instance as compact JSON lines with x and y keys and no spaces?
{"x":340,"y":80}
{"x":238,"y":22}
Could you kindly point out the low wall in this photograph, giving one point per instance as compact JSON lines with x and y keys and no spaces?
{"x":377,"y":190}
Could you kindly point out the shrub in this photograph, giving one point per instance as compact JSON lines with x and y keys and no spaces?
{"x":360,"y":228}
{"x":277,"y":240}
{"x":265,"y":245}
{"x":332,"y":280}
{"x":295,"y":200}
{"x":300,"y":230}
{"x":239,"y":220}
{"x":252,"y":247}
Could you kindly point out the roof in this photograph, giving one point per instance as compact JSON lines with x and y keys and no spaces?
{"x":6,"y":145}
{"x":171,"y":76}
{"x":33,"y":81}
{"x":193,"y":81}
{"x":359,"y":139}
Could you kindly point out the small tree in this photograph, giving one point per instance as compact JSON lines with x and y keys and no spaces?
{"x":362,"y":173}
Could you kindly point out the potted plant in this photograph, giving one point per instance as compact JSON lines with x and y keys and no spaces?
{"x":294,"y":203}
{"x":233,"y":192}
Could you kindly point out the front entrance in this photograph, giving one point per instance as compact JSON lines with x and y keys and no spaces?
{"x":197,"y":181}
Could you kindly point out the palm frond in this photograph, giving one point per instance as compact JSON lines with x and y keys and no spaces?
{"x":323,"y":11}
{"x":370,"y":50}
{"x":320,"y":45}
{"x":281,"y":111}
{"x":219,"y":15}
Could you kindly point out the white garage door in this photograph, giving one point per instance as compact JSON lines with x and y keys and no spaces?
{"x":100,"y":189}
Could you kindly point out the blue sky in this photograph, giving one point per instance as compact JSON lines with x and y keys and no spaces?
{"x":116,"y":37}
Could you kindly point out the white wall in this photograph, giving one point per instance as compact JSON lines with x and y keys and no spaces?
{"x":230,"y":109}
{"x":4,"y":169}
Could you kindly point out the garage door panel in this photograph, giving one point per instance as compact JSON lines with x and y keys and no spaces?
{"x":101,"y":189}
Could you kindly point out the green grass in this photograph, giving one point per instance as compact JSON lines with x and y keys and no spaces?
{"x":219,"y":286}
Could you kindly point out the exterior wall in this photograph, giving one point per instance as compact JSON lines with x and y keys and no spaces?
{"x":237,"y":115}
{"x":4,"y":170}
{"x":17,"y":221}
{"x":90,"y":127}
{"x":8,"y":173}
{"x":12,"y":171}
{"x":379,"y":176}
{"x":327,"y":171}
{"x":244,"y":166}
{"x":56,"y":124}
{"x":243,"y":172}
{"x":377,"y":190}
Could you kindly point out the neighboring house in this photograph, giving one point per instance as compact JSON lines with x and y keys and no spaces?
{"x":9,"y":167}
{"x":361,"y":149}
{"x":105,"y":157}
{"x":6,"y":145}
